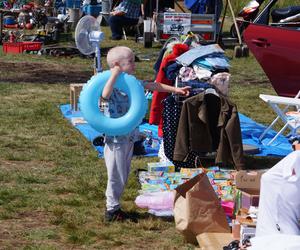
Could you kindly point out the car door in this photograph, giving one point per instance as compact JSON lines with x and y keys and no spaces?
{"x":278,"y":52}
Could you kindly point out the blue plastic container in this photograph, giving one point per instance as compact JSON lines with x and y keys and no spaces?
{"x":93,"y":10}
{"x":9,"y":20}
{"x":73,"y":4}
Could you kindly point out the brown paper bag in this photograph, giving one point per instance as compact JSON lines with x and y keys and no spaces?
{"x":197,"y":209}
{"x":214,"y":241}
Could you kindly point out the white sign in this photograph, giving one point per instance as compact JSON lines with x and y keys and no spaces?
{"x":177,"y":23}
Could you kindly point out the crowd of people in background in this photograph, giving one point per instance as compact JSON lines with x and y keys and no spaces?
{"x":128,"y":12}
{"x":122,"y":13}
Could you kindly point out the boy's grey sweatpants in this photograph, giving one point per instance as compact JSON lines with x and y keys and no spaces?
{"x":117,"y":158}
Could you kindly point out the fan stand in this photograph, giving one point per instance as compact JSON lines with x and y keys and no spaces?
{"x":96,"y":37}
{"x":97,"y":61}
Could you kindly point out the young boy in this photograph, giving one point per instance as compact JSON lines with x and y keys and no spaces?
{"x":118,"y":149}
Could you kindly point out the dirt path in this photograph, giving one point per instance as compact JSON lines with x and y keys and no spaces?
{"x":33,"y":72}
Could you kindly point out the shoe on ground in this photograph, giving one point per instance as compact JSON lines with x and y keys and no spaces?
{"x":118,"y":215}
{"x":98,"y":141}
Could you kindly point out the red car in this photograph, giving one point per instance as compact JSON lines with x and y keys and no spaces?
{"x":277,"y":49}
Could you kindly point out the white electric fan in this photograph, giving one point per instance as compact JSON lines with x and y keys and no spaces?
{"x":88,"y":37}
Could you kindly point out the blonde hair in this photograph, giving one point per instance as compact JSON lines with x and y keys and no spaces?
{"x":116,"y":54}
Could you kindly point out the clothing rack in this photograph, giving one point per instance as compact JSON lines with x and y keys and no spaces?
{"x":194,"y":91}
{"x":211,"y":91}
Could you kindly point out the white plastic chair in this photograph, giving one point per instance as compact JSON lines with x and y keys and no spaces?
{"x":291,"y":120}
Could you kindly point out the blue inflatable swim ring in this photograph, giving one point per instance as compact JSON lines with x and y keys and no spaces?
{"x":89,"y":106}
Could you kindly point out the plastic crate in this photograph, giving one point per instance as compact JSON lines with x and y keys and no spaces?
{"x":13,"y":48}
{"x":93,"y":10}
{"x":32,"y":46}
{"x":73,"y":4}
{"x":19,"y":47}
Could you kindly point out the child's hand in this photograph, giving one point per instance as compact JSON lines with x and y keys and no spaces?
{"x":185,"y":91}
{"x":116,"y":70}
{"x":108,"y":88}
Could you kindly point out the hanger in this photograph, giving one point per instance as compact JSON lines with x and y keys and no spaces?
{"x":211,"y":91}
{"x":177,"y":98}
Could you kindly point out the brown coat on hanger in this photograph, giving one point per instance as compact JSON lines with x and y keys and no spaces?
{"x":209,"y":123}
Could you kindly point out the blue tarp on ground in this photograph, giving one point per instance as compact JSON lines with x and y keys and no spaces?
{"x":90,"y":134}
{"x":251,"y":131}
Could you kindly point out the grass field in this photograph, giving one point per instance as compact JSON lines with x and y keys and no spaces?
{"x":51,"y":181}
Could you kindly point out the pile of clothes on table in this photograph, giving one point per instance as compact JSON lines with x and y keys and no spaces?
{"x":207,"y":121}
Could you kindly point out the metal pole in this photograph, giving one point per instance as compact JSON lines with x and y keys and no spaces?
{"x":1,"y":25}
{"x":98,"y":67}
{"x":235,"y":23}
{"x":179,"y":6}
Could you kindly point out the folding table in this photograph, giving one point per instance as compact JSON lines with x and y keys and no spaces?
{"x":290,"y":121}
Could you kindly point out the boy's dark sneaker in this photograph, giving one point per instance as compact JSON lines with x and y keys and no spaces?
{"x":98,"y":141}
{"x":117,"y":215}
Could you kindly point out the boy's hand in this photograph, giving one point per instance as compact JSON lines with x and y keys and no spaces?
{"x":185,"y":91}
{"x":116,"y":70}
{"x":108,"y":88}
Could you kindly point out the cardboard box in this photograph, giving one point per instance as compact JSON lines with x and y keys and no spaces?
{"x":235,"y":229}
{"x":249,"y":198}
{"x":247,"y":232}
{"x":248,"y":182}
{"x":167,"y":167}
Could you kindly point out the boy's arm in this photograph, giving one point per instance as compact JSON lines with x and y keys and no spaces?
{"x":160,"y":87}
{"x":109,"y":86}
